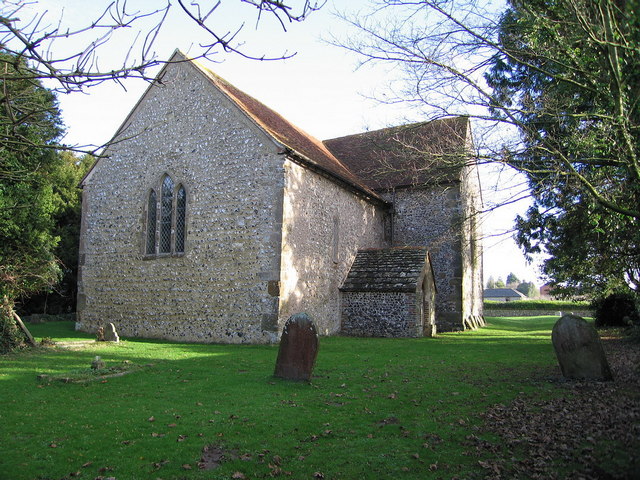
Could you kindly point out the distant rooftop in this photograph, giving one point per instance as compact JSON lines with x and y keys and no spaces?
{"x":503,"y":293}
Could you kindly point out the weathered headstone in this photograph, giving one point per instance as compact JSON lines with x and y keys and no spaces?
{"x":579,"y":351}
{"x":110,"y":334}
{"x":298,"y":349}
{"x":97,"y":364}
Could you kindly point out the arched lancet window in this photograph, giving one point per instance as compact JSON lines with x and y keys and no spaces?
{"x":181,"y":210}
{"x":166,"y":222}
{"x":151,"y":222}
{"x":166,"y":215}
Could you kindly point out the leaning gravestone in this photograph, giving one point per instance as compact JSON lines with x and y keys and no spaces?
{"x":110,"y":334}
{"x":298,"y":349}
{"x":579,"y":350}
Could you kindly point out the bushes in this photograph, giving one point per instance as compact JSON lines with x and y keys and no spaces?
{"x":615,"y":310}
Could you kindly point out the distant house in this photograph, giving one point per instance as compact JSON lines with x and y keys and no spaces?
{"x":503,"y":295}
{"x":546,"y":291}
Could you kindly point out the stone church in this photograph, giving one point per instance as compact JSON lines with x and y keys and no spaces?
{"x":211,"y":218}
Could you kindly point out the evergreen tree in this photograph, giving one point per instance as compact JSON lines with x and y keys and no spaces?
{"x":512,"y":280}
{"x":30,"y":123}
{"x":570,"y":72}
{"x":61,"y":297}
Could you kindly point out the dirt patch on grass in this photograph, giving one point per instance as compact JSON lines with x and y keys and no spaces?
{"x":591,"y":432}
{"x":91,"y":375}
{"x":213,"y":455}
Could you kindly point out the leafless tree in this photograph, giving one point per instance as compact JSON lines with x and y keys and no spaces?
{"x":551,"y":88}
{"x":72,"y":57}
{"x":38,"y":45}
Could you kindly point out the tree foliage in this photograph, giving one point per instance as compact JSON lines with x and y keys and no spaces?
{"x":61,"y":297}
{"x":615,"y":310}
{"x":512,"y":279}
{"x":28,"y":116}
{"x":570,"y":72}
{"x":528,"y":288}
{"x":552,"y":86}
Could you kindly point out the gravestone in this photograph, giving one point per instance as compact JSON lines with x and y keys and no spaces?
{"x":579,"y":351}
{"x":97,"y":364}
{"x":110,"y":334}
{"x":298,"y":349}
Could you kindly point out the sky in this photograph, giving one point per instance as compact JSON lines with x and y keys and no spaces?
{"x":319,"y":89}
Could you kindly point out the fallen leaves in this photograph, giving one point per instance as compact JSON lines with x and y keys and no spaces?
{"x":160,"y":464}
{"x":588,"y":426}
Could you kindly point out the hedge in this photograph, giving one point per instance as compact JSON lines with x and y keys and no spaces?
{"x":555,"y":305}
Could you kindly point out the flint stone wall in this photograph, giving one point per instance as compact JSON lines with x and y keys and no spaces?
{"x":431,"y":217}
{"x":218,"y":290}
{"x":363,"y":313}
{"x":324,"y":225}
{"x":444,"y":219}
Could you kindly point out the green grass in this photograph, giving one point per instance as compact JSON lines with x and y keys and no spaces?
{"x":376,"y":408}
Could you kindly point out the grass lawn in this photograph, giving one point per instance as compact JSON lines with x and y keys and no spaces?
{"x":376,"y":408}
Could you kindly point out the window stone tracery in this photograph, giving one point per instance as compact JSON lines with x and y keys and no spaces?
{"x":166,"y":219}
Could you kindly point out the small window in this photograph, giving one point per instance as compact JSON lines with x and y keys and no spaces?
{"x":151,"y":222}
{"x":335,"y":247}
{"x":165,"y":230}
{"x":166,"y":215}
{"x":181,"y":210}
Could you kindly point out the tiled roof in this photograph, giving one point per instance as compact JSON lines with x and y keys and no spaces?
{"x":309,"y":149}
{"x":503,"y":293}
{"x":386,"y":270}
{"x":415,"y":154}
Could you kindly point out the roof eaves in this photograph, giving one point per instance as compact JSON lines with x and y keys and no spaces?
{"x":365,"y":193}
{"x":303,"y":159}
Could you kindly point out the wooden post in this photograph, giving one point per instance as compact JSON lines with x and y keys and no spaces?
{"x":23,"y":327}
{"x":8,"y":307}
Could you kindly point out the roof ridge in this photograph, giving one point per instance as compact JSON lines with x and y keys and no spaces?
{"x":253,"y":107}
{"x":405,"y":126}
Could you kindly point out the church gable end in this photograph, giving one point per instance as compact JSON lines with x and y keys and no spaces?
{"x":194,"y":252}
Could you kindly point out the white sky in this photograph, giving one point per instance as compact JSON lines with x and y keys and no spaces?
{"x":318,"y":89}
